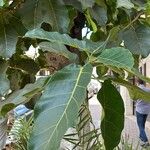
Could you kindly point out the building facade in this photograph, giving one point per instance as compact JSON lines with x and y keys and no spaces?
{"x":129,"y":104}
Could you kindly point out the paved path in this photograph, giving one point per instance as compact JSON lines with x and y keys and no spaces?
{"x":131,"y":129}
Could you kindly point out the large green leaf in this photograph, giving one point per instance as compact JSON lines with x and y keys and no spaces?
{"x":75,"y":4}
{"x":8,"y":38}
{"x":137,"y":40}
{"x":113,"y":122}
{"x":23,"y":95}
{"x":56,"y":37}
{"x":9,"y":33}
{"x":99,"y":13}
{"x":140,"y":3}
{"x":125,"y":3}
{"x":117,"y":57}
{"x":64,"y":39}
{"x":35,"y":12}
{"x":4,"y":82}
{"x":59,"y":106}
{"x":91,"y":23}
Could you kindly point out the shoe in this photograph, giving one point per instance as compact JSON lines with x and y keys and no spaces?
{"x":144,"y":144}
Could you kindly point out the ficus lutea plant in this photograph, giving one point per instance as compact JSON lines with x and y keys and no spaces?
{"x":120,"y":34}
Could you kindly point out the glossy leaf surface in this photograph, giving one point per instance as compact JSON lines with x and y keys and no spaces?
{"x":113,"y":121}
{"x":59,"y":106}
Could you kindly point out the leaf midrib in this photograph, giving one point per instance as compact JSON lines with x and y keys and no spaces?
{"x":71,"y":97}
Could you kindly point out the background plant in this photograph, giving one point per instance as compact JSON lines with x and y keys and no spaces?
{"x":120,"y":37}
{"x":20,"y":133}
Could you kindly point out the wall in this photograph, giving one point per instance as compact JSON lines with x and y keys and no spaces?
{"x":124,"y":92}
{"x":127,"y":100}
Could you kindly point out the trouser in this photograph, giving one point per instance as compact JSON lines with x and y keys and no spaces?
{"x":141,"y":120}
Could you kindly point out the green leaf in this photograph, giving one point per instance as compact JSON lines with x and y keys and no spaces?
{"x":59,"y":105}
{"x":23,"y":95}
{"x":64,"y":39}
{"x":98,"y":36}
{"x":72,"y":13}
{"x":137,"y":40}
{"x":113,"y":121}
{"x":57,"y":48}
{"x":113,"y":33}
{"x":141,"y":5}
{"x":19,"y":78}
{"x":117,"y":57}
{"x":101,"y":70}
{"x":75,"y":4}
{"x":113,"y":39}
{"x":56,"y":37}
{"x":6,"y":109}
{"x":87,"y":3}
{"x":27,"y":64}
{"x":54,"y":12}
{"x":4,"y":82}
{"x":125,"y":3}
{"x":134,"y":91}
{"x":99,"y":13}
{"x":8,"y":38}
{"x":91,"y":22}
{"x":9,"y":33}
{"x":15,"y":77}
{"x":101,"y":3}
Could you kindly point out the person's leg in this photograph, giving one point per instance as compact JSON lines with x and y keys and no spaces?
{"x":141,"y":119}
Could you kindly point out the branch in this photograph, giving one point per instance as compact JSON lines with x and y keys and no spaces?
{"x":135,"y":19}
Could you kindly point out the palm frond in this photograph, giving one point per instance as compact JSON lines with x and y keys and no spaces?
{"x":21,"y":132}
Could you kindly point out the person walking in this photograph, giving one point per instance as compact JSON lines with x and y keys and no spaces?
{"x":142,"y":111}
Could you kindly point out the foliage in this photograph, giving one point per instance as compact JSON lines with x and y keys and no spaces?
{"x":75,"y":80}
{"x":113,"y":108}
{"x":126,"y":144}
{"x":82,"y":138}
{"x":120,"y":32}
{"x":21,"y":131}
